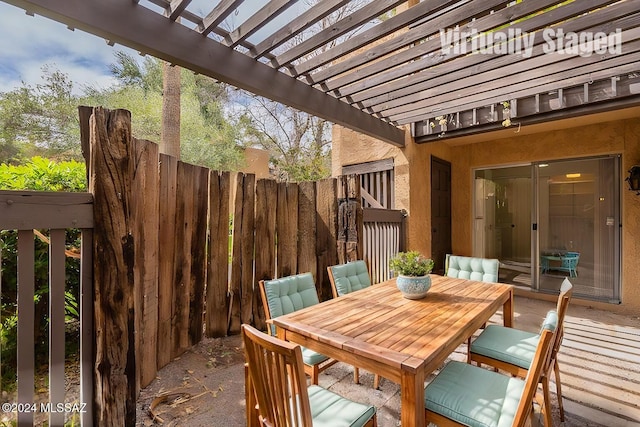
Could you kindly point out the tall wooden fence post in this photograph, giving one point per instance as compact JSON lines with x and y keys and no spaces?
{"x":111,"y":171}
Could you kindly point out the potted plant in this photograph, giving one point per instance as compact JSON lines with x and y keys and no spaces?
{"x":412,"y":269}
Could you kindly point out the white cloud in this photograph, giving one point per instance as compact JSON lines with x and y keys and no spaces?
{"x":29,"y":43}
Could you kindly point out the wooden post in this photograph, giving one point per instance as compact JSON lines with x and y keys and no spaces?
{"x":111,"y":171}
{"x":218,"y":266}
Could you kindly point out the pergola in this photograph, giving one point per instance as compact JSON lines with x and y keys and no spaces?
{"x":456,"y":65}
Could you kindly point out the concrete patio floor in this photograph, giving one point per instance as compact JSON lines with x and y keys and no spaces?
{"x":599,"y":362}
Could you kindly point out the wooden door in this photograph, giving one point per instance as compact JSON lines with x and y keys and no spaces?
{"x":440,"y":212}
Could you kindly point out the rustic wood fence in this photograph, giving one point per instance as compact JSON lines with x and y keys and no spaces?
{"x":179,"y":250}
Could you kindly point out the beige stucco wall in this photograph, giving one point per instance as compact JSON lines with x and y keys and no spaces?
{"x":571,"y":139}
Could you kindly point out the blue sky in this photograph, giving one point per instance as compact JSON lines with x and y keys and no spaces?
{"x":28,"y":43}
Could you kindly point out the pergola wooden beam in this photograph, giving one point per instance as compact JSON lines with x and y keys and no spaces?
{"x":362,"y":71}
{"x":127,"y":23}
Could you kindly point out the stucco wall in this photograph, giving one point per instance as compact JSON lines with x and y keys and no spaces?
{"x":413,"y":171}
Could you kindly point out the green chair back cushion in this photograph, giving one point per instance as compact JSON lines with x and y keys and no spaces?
{"x":288,"y":294}
{"x":472,"y":268}
{"x":350,"y":277}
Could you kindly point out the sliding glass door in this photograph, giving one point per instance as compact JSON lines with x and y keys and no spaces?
{"x":548,"y":221}
{"x":578,"y":226}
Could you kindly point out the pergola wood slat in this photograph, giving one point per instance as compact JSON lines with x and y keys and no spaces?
{"x":257,"y":21}
{"x":361,"y":72}
{"x":357,"y":18}
{"x":406,"y":91}
{"x":420,"y":57}
{"x":543,"y":65}
{"x":385,"y":28}
{"x":176,"y":8}
{"x":308,"y":18}
{"x":218,"y":14}
{"x":570,"y":78}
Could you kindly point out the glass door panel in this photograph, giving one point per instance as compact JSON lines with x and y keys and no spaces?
{"x":578,"y":226}
{"x":549,"y":221}
{"x":503,"y":220}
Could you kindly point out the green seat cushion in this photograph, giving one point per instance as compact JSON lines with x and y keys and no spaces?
{"x":350,"y":277}
{"x":474,"y":396}
{"x":332,"y":410}
{"x":310,"y":357}
{"x":511,"y":345}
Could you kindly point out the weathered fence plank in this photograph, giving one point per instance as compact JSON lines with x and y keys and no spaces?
{"x":198,"y":254}
{"x":307,"y":261}
{"x":247,"y":249}
{"x":111,"y":172}
{"x":326,"y":240}
{"x":287,"y":229}
{"x":266,"y":201}
{"x":166,"y":255}
{"x":182,"y":267}
{"x":145,"y":227}
{"x":218,"y":269}
{"x":241,"y":288}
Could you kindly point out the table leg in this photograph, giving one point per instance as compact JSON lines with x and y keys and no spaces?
{"x":507,"y":311}
{"x":412,"y":395}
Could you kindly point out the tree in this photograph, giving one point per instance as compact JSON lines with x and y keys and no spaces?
{"x":207,"y":137}
{"x":299,"y":143}
{"x":40,"y":119}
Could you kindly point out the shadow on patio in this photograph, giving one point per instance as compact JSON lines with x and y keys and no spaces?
{"x":599,"y":363}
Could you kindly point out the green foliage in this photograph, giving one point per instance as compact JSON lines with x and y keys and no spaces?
{"x":42,"y":175}
{"x":411,"y":264}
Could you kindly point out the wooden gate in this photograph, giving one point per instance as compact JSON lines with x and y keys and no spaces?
{"x":384,"y":228}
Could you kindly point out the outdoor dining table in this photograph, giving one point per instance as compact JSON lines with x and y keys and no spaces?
{"x":403,"y":340}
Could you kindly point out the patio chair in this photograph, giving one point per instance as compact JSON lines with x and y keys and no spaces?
{"x":277,"y":394}
{"x":472,"y":268}
{"x":347,"y":278}
{"x":467,"y":395}
{"x":512,"y":350}
{"x":286,"y":295}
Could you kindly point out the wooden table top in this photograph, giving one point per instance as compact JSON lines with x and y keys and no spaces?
{"x":378,"y":325}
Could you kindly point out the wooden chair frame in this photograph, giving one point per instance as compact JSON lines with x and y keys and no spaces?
{"x":525,"y":407}
{"x":312,"y":370}
{"x":356,"y":370}
{"x":281,"y":399}
{"x":551,"y":363}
